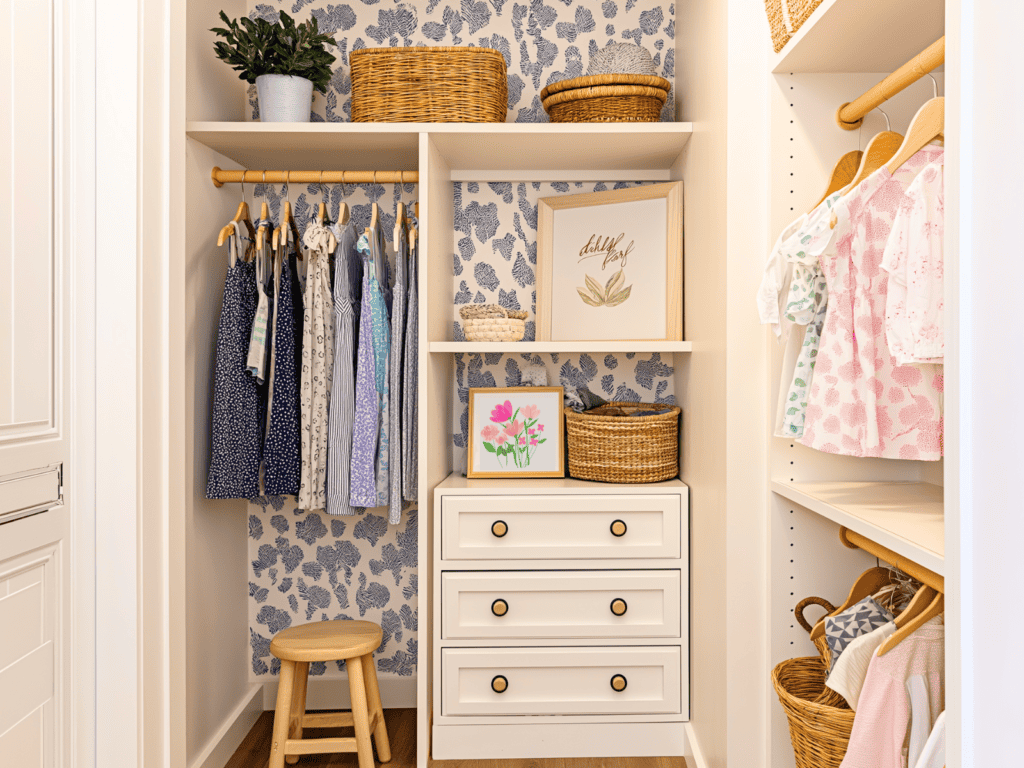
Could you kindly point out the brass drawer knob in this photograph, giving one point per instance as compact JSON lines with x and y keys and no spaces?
{"x":619,"y":606}
{"x":500,"y":684}
{"x":618,"y":683}
{"x":500,"y":528}
{"x":499,"y":607}
{"x":618,"y":528}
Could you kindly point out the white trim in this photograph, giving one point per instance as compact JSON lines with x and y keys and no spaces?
{"x":395,"y":693}
{"x":229,"y":736}
{"x":693,"y":755}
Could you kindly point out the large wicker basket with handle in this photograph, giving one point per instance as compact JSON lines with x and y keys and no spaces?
{"x":623,"y":449}
{"x":820,"y":720}
{"x":428,"y":85}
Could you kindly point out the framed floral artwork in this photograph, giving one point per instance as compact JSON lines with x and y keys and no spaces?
{"x":516,"y":432}
{"x":610,"y":265}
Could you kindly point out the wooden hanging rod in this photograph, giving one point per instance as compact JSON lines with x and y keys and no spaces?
{"x":851,"y":114}
{"x":221,"y":177}
{"x":854,"y":540}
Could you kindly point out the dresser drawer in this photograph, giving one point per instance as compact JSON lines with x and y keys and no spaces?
{"x":576,"y":527}
{"x":561,"y":604}
{"x":560,"y":681}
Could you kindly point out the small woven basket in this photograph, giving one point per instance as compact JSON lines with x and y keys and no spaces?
{"x":785,"y":17}
{"x":623,"y":449}
{"x":428,"y":85}
{"x":489,"y":322}
{"x":606,"y":99}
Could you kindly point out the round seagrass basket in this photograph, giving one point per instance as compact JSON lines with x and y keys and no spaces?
{"x":428,"y":85}
{"x":820,"y":720}
{"x":606,"y":99}
{"x":489,"y":322}
{"x":623,"y":449}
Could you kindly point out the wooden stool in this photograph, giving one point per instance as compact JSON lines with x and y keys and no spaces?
{"x":296,"y":647}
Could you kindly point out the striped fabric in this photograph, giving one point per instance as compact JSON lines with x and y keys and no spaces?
{"x":343,"y":404}
{"x":395,"y":382}
{"x":410,"y":380}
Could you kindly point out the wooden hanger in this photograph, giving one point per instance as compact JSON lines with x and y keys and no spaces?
{"x":374,"y":210}
{"x":287,"y":220}
{"x":928,"y":124}
{"x":878,"y":152}
{"x":343,"y":215}
{"x":264,"y":216}
{"x":241,"y":217}
{"x":867,"y":584}
{"x":399,"y":223}
{"x":842,"y":174}
{"x":321,"y":214}
{"x":926,"y":605}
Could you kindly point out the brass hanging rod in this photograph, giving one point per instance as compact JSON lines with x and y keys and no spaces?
{"x":221,"y":177}
{"x":851,"y":114}
{"x":854,"y":540}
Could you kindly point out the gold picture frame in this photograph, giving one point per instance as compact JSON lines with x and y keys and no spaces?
{"x":500,"y":445}
{"x":586,"y":262}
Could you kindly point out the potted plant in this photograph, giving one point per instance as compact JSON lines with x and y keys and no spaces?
{"x":285,"y":60}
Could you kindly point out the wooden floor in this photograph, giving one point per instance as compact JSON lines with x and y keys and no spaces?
{"x":254,"y":751}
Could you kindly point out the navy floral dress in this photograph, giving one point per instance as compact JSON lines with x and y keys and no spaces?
{"x":237,"y":440}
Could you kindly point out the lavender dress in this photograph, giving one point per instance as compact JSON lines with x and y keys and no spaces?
{"x":363,"y":491}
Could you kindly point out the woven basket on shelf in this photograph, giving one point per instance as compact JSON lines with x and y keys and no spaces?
{"x":623,"y":449}
{"x":428,"y":85}
{"x":606,"y":99}
{"x":785,"y":17}
{"x":489,"y":322}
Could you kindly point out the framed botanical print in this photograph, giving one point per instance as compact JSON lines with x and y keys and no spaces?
{"x":610,"y":265}
{"x":516,"y":432}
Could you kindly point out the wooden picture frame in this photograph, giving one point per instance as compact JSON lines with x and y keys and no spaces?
{"x":536,"y":449}
{"x":614,"y":273}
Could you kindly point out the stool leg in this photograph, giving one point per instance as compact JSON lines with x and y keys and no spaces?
{"x":283,"y":714}
{"x":360,"y":715}
{"x":298,"y":706}
{"x":380,"y":733}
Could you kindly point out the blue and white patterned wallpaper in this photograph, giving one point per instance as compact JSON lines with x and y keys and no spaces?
{"x":307,"y":566}
{"x":543,"y":41}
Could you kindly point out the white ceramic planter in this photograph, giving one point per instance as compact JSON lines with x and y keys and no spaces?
{"x":284,"y":98}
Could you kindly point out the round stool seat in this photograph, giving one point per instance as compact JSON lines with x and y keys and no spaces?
{"x":327,"y":641}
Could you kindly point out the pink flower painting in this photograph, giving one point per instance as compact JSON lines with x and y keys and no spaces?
{"x":514,"y":440}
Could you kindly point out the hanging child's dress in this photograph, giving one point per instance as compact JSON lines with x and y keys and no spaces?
{"x":382,"y":365}
{"x":395,"y":380}
{"x":365,"y":428}
{"x":862,"y":402}
{"x":282,"y":456}
{"x":237,"y":439}
{"x":317,"y":368}
{"x":410,"y":378}
{"x":343,"y":404}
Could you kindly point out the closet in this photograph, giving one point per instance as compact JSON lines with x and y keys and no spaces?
{"x":753,"y":141}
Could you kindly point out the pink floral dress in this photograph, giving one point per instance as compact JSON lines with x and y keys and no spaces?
{"x":862,"y":402}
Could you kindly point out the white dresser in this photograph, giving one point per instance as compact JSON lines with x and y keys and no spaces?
{"x":560,"y":619}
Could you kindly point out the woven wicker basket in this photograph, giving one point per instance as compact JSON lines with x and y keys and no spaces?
{"x":428,"y":85}
{"x":489,"y":322}
{"x":785,"y":17}
{"x":606,"y":99}
{"x":623,"y":449}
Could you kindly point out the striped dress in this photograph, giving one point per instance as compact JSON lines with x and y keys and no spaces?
{"x":395,"y":381}
{"x":410,"y":382}
{"x":343,"y":404}
{"x":363,"y":487}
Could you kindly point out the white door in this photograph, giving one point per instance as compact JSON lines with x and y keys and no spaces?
{"x":34,"y":392}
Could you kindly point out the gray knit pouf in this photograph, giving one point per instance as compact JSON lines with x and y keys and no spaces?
{"x":622,"y":58}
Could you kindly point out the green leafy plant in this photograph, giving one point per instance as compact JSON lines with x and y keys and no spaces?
{"x":257,"y":47}
{"x":611,"y":295}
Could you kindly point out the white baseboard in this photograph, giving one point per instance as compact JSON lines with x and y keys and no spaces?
{"x":694,"y":754}
{"x":395,"y":693}
{"x":233,"y":730}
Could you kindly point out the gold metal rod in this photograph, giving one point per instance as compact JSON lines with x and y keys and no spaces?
{"x":854,"y":540}
{"x":851,"y":114}
{"x":221,"y":177}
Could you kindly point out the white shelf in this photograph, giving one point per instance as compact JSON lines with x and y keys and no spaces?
{"x":862,"y":36}
{"x":907,"y":518}
{"x":618,"y":150}
{"x":568,"y":347}
{"x":555,"y":485}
